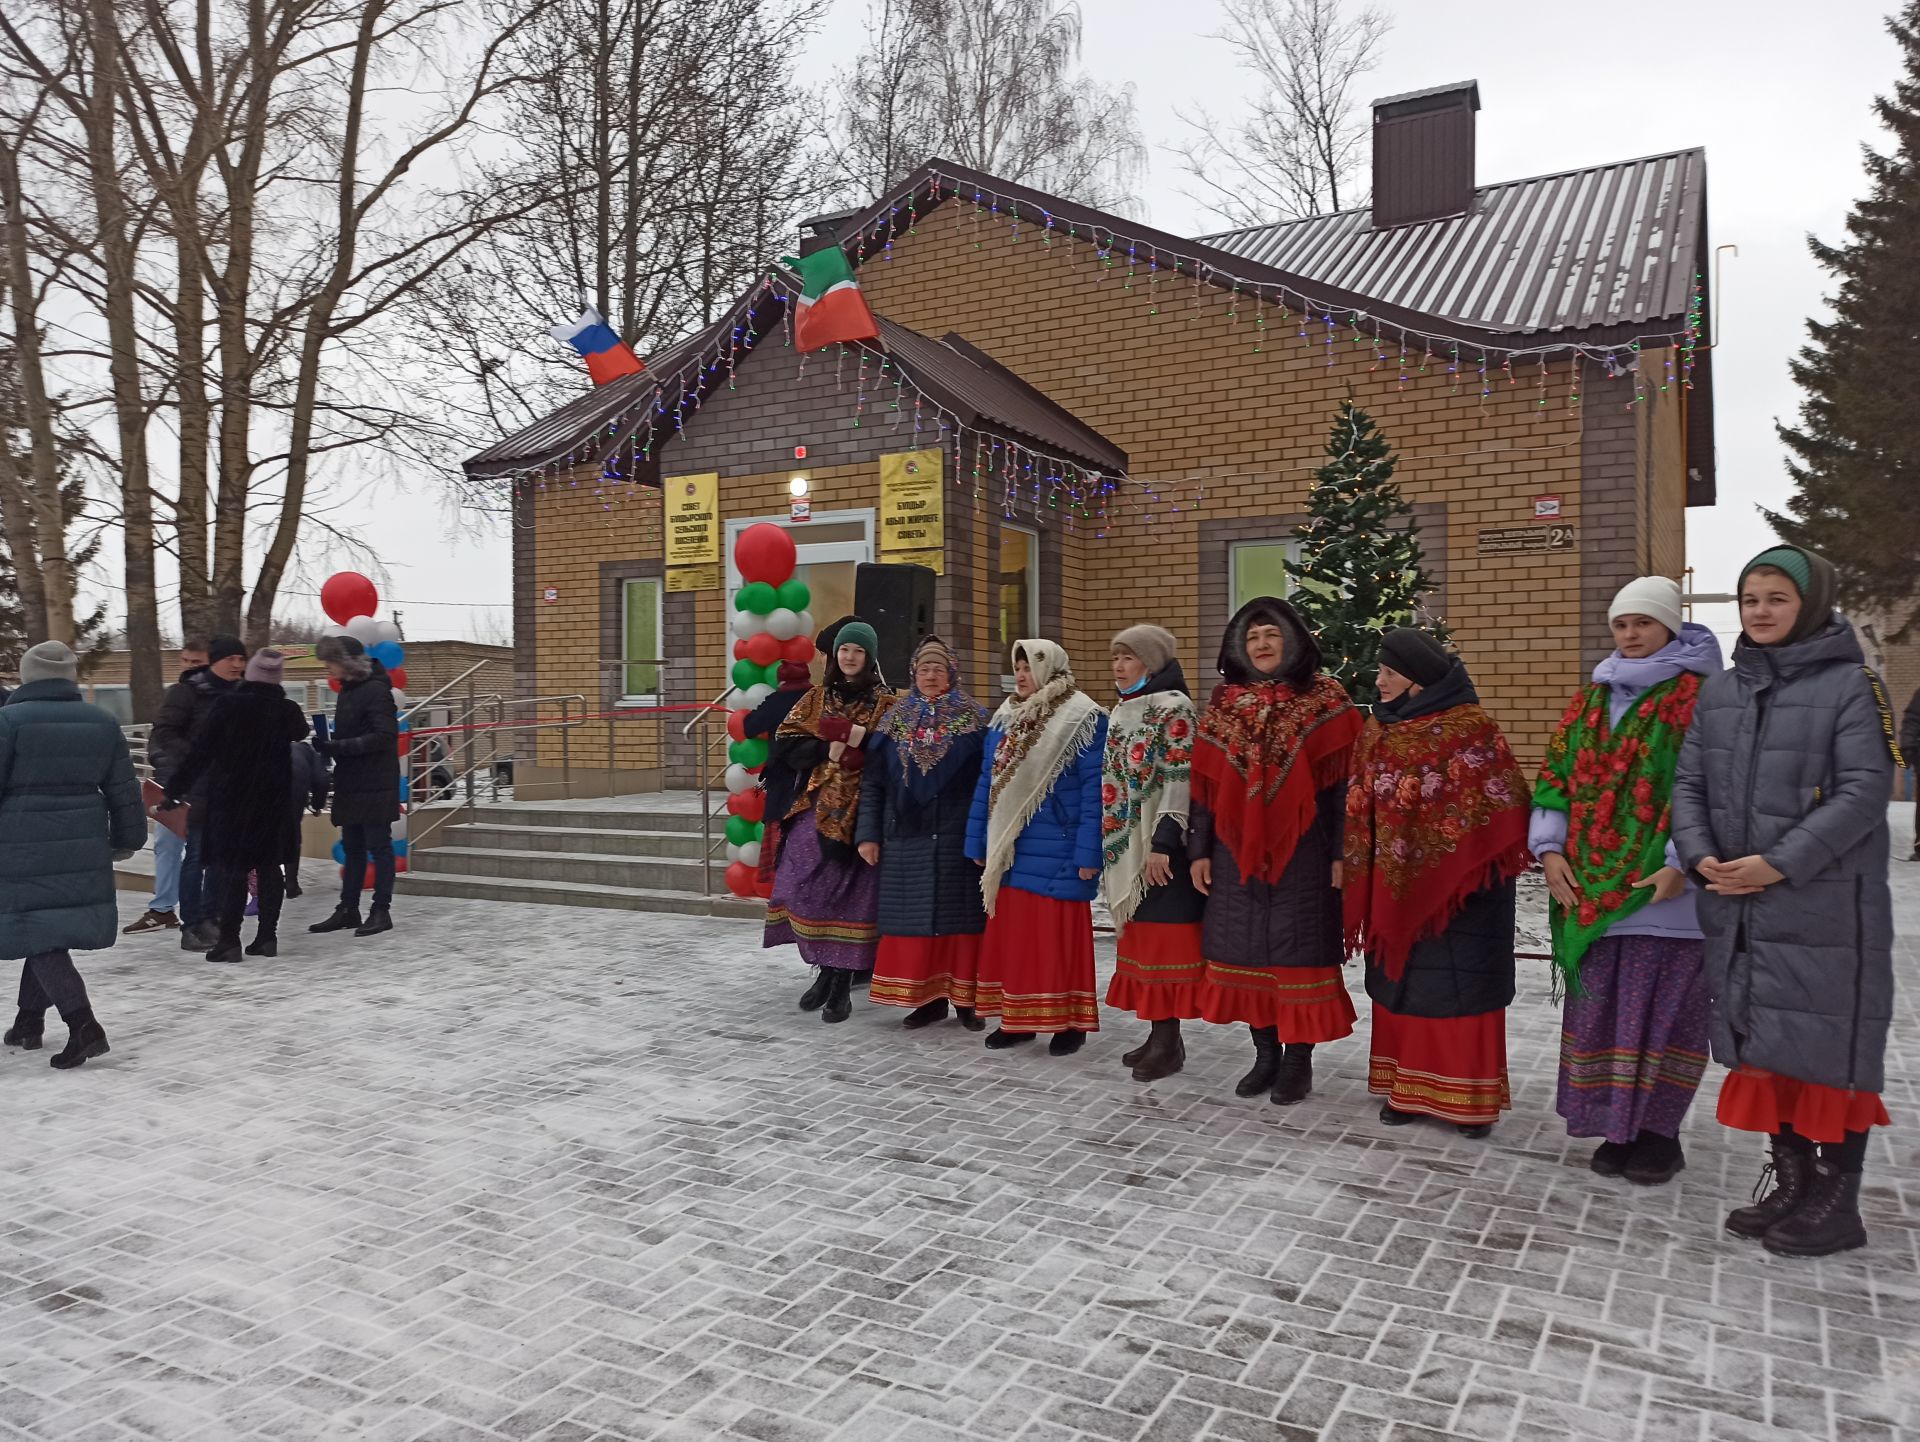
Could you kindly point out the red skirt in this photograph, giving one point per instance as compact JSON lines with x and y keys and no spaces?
{"x":1036,"y":965}
{"x":1302,"y":1003}
{"x":1159,"y":969}
{"x":1454,"y":1068}
{"x":915,"y":970}
{"x":1753,"y":1100}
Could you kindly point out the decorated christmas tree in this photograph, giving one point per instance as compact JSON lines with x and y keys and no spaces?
{"x":1360,"y":572}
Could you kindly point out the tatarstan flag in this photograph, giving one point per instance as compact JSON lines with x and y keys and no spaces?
{"x":831,"y":310}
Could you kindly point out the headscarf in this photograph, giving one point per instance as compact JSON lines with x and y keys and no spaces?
{"x":1813,"y":577}
{"x":832,"y":788}
{"x":924,"y":730}
{"x":1039,"y":738}
{"x":1146,"y":773}
{"x":1416,"y":655}
{"x":1270,"y":744}
{"x":1437,"y":811}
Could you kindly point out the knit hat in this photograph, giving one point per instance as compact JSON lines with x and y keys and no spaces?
{"x":269,"y":666}
{"x":1789,"y":559}
{"x":939,"y":648}
{"x":221,"y":647}
{"x":1415,"y":655}
{"x":49,"y":661}
{"x":859,"y":633}
{"x":1655,"y":596}
{"x":1154,"y":646}
{"x":794,"y":676}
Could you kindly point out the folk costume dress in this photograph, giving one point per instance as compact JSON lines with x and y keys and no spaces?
{"x":1035,"y":824}
{"x":915,"y":795}
{"x":825,"y":898}
{"x":1270,"y":773}
{"x":1633,"y":1040}
{"x":1436,"y":832}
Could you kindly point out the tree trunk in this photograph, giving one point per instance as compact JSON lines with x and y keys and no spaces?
{"x":16,"y":523}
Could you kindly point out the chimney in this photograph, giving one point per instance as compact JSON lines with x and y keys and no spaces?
{"x":1423,"y":154}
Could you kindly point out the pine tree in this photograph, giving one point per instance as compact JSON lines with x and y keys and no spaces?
{"x":1360,"y":571}
{"x":1856,"y":450}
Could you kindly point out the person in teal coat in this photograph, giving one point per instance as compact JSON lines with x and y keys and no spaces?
{"x":69,"y":808}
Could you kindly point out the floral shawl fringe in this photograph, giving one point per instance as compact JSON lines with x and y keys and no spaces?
{"x":831,"y":789}
{"x":1437,"y":811}
{"x":1146,"y":777}
{"x":1266,"y":751}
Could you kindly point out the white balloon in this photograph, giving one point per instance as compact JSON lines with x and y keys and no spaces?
{"x":757,"y":694}
{"x":750,"y":853}
{"x":739,"y":779}
{"x":736,"y":700}
{"x":399,"y":698}
{"x":782,"y":624}
{"x":365,"y":630}
{"x":746,"y":624}
{"x":335,"y":628}
{"x":388,"y":631}
{"x":806,"y":624}
{"x":733,"y":853}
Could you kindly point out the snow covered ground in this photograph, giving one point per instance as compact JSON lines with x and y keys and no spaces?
{"x":516,"y":1172}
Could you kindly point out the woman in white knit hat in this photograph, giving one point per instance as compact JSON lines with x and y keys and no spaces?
{"x":1626,"y":944}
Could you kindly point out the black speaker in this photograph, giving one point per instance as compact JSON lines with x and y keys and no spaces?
{"x":897,"y":601}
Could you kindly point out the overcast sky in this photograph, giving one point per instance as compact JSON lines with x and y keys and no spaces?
{"x":1778,"y":92}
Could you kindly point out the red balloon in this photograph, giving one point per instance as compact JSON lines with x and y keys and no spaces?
{"x":398,"y":675}
{"x":348,"y":594}
{"x":333,"y":683}
{"x":740,"y":879}
{"x":765,"y":553}
{"x":737,"y":725}
{"x":739,"y":650}
{"x":399,"y":864}
{"x":763,"y":887}
{"x":799,"y":651}
{"x":763,"y":649}
{"x":749,"y":804}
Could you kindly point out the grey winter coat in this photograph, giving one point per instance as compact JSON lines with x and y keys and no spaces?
{"x":1790,"y":756}
{"x":68,"y":801}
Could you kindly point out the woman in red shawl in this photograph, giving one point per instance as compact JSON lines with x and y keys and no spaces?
{"x":1436,"y":833}
{"x":1269,"y":787}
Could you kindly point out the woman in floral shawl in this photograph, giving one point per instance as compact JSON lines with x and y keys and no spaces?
{"x":1035,"y":828}
{"x":915,"y":792}
{"x":1269,"y":787}
{"x":825,"y":897}
{"x":1436,"y":834}
{"x":1148,"y":883}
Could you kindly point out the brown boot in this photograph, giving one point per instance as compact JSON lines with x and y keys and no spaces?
{"x":1163,"y":1055}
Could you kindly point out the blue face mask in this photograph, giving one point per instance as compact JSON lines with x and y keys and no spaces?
{"x":1137,"y":686}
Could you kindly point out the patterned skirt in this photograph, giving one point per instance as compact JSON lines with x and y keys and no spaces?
{"x":916,"y":970}
{"x":1158,"y":970}
{"x":1752,"y":1100}
{"x":827,"y":906}
{"x":1454,"y":1068}
{"x":1634,"y":1046}
{"x":1302,"y":1003}
{"x":1036,"y":964}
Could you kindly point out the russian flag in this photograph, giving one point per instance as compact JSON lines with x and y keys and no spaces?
{"x":607,"y":356}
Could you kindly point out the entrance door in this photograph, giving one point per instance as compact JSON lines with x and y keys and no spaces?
{"x":828,"y":549}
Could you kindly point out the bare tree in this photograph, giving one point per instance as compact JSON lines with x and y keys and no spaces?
{"x":1296,"y":152}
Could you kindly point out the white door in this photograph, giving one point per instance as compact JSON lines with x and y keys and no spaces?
{"x":828,"y":548}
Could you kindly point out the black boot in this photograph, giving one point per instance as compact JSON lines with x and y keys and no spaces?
{"x":815,"y":996}
{"x":85,"y":1039}
{"x":1164,"y":1054}
{"x":1066,"y":1043}
{"x":1296,"y":1074}
{"x":344,"y":918}
{"x":27,"y":1030}
{"x":227,"y":949}
{"x":1656,"y":1159}
{"x":1266,"y":1063}
{"x":379,"y":919}
{"x":1827,"y":1222}
{"x":927,"y":1015}
{"x":839,"y":995}
{"x":265,"y":943}
{"x":293,"y":888}
{"x":1610,"y":1159}
{"x":1132,"y":1058}
{"x":968,"y":1019}
{"x":1792,"y":1172}
{"x":201,"y":936}
{"x":1392,"y":1116}
{"x":999,"y":1039}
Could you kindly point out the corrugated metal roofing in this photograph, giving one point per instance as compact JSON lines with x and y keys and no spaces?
{"x":1472,"y":87}
{"x":1605,"y":245}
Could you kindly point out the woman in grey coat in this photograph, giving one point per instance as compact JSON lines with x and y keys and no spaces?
{"x":1780,"y":810}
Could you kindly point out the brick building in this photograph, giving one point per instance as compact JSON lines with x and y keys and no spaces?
{"x":1127,"y":422}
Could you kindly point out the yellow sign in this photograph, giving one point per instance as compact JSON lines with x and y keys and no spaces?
{"x":694,"y":578}
{"x":913,"y":520}
{"x":692,"y":507}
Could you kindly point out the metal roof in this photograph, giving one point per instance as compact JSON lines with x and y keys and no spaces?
{"x":1605,"y":245}
{"x":1470,"y":87}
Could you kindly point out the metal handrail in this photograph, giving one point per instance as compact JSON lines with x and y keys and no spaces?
{"x":413,"y":705}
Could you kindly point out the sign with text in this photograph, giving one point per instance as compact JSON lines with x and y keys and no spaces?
{"x":692,"y":506}
{"x":913,"y":521}
{"x":1517,"y":540}
{"x":694,"y":578}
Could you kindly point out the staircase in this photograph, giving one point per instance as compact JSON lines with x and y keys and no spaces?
{"x":624,"y":859}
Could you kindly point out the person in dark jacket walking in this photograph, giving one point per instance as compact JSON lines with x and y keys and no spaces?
{"x":1145,"y":802}
{"x":69,"y":808}
{"x":1436,"y":832}
{"x":1269,"y":791}
{"x":243,"y":754}
{"x":1910,"y":753}
{"x":1780,"y":810}
{"x":915,"y":791}
{"x":181,"y":723}
{"x":364,"y":746}
{"x":311,"y":783}
{"x":169,"y":850}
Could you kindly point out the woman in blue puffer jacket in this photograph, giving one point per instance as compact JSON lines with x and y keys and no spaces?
{"x":1035,"y":828}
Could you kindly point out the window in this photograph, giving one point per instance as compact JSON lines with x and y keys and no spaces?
{"x":640,"y":641}
{"x":1262,"y":568}
{"x":1018,"y":583}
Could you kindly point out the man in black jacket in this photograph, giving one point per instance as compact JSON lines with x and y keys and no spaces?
{"x":1910,"y":753}
{"x":364,"y":745}
{"x":182,"y":721}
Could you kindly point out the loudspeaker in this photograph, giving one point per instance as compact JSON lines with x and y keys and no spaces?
{"x":897,"y":601}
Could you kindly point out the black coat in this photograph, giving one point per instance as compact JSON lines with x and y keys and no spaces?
{"x":1910,"y":732}
{"x":778,"y":779}
{"x":1294,"y":921}
{"x":311,"y":781}
{"x":244,"y":768}
{"x":365,"y":747}
{"x":928,"y":887}
{"x":1179,"y":902}
{"x":179,"y":728}
{"x":1464,"y":971}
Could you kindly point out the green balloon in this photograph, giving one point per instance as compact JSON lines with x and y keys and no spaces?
{"x":739,"y":830}
{"x":794,"y":595}
{"x":757,"y":597}
{"x":746,"y":674}
{"x":771,"y":675}
{"x":749,"y":753}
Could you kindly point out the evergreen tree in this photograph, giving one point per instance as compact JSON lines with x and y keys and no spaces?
{"x":1360,"y":571}
{"x":1856,"y":466}
{"x":91,"y":638}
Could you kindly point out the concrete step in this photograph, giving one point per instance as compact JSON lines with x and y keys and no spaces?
{"x":651,"y":873}
{"x":599,"y":840}
{"x":565,"y":893}
{"x":609,"y":819}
